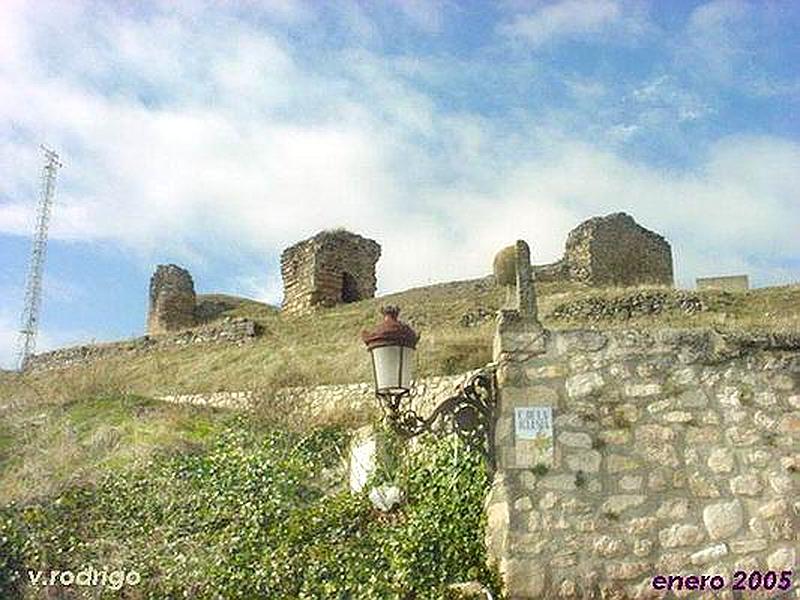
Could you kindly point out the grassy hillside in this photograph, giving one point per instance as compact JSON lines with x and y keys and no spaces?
{"x":455,"y":321}
{"x":93,"y":471}
{"x":220,"y":505}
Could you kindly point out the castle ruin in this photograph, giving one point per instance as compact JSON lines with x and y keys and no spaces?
{"x":172,"y":300}
{"x":613,"y":250}
{"x":332,"y":267}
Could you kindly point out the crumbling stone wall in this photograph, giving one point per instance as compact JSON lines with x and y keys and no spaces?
{"x":172,"y":300}
{"x":672,"y":453}
{"x":729,"y":283}
{"x":333,"y":267}
{"x":236,"y":331}
{"x":612,"y":250}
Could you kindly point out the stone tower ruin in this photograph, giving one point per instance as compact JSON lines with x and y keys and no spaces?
{"x":332,"y":267}
{"x":172,"y":300}
{"x":612,"y":250}
{"x":616,"y":250}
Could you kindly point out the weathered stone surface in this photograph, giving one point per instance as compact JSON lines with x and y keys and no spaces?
{"x":584,"y":384}
{"x":617,"y":463}
{"x":558,"y":482}
{"x":781,"y":483}
{"x":695,"y":398}
{"x":608,"y":546}
{"x":587,"y":461}
{"x":523,"y":504}
{"x":330,"y":268}
{"x":748,"y":545}
{"x":746,"y":485}
{"x":679,"y":535}
{"x":783,"y":559}
{"x":627,"y":569}
{"x":674,"y":509}
{"x":683,"y":484}
{"x":630,"y":483}
{"x":707,"y":555}
{"x":702,"y":486}
{"x":172,"y":300}
{"x":641,"y":390}
{"x":527,"y":577}
{"x":723,"y":519}
{"x":655,"y":443}
{"x":790,"y":424}
{"x":621,"y":502}
{"x":575,"y":440}
{"x":677,"y":416}
{"x":721,"y":460}
{"x":615,"y":250}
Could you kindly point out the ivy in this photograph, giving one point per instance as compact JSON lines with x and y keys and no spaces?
{"x":252,"y":514}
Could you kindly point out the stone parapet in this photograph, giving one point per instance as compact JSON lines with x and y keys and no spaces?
{"x":237,"y":331}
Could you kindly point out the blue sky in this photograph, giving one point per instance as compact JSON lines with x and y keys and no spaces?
{"x":214,"y":134}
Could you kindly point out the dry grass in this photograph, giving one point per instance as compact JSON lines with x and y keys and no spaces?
{"x":51,"y":446}
{"x":326,"y":347}
{"x":67,"y":426}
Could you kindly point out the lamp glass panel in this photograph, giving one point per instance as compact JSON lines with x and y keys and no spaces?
{"x":407,"y":374}
{"x":386,"y":360}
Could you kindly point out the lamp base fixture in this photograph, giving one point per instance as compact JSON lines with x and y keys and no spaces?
{"x":470,"y":414}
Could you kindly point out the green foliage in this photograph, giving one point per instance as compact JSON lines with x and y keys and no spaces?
{"x":255,"y":513}
{"x":540,"y":469}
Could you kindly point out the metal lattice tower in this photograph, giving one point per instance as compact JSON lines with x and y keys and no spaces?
{"x":33,"y":290}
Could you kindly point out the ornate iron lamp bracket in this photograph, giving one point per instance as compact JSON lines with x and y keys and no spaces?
{"x":470,"y":414}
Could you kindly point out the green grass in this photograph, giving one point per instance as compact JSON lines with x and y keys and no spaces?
{"x":45,"y":446}
{"x":252,"y":512}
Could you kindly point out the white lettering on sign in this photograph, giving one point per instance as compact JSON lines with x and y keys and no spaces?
{"x":532,"y":422}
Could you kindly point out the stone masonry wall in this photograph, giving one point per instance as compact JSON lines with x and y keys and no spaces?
{"x":237,"y":331}
{"x":615,"y":250}
{"x":320,"y":401}
{"x":330,"y":268}
{"x":672,"y":453}
{"x":172,"y":300}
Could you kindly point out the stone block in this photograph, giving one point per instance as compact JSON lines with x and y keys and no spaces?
{"x":619,"y":503}
{"x":584,"y":384}
{"x":679,"y":535}
{"x":723,"y":519}
{"x":709,"y":554}
{"x":575,"y":440}
{"x":525,"y":578}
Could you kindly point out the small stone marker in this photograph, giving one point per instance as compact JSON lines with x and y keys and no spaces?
{"x":533,"y":430}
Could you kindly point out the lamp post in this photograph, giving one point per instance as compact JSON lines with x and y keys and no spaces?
{"x":469,"y":413}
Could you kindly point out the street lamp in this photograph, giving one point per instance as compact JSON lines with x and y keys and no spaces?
{"x":469,"y":413}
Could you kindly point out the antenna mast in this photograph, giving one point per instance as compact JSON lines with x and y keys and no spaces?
{"x":33,"y":290}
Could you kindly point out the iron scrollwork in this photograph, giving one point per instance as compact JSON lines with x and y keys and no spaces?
{"x":469,"y":414}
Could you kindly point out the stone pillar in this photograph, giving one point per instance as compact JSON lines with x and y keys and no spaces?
{"x":172,"y":300}
{"x":526,"y":294}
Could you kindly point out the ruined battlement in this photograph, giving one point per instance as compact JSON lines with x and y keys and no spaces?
{"x":172,"y":300}
{"x":612,"y":250}
{"x":332,"y":267}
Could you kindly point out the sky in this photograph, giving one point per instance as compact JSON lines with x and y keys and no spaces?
{"x":213,"y":134}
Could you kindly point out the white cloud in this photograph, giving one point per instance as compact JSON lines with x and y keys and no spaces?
{"x":567,"y":18}
{"x":715,"y":38}
{"x":245,"y":145}
{"x":425,"y":14}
